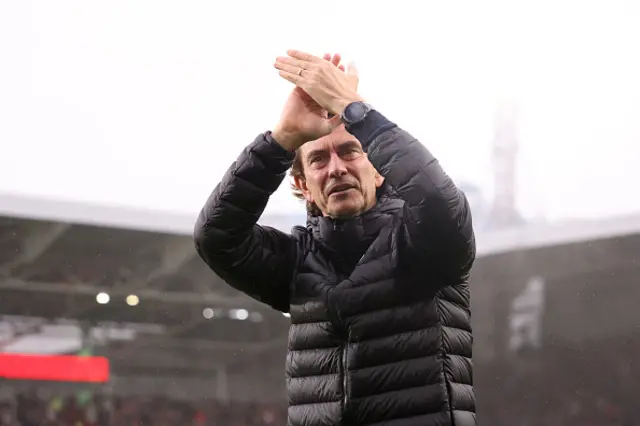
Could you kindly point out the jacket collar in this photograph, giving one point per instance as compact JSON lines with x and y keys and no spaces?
{"x":348,"y":239}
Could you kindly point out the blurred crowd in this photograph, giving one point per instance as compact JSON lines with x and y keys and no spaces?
{"x":582,"y":385}
{"x":586,"y":385}
{"x":96,"y":410}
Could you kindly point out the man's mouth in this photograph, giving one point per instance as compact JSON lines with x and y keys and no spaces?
{"x":342,"y":188}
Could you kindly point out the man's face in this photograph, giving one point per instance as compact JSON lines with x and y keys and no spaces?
{"x":338,"y":176}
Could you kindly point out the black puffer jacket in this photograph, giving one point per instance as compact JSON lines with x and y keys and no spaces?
{"x":379,"y":304}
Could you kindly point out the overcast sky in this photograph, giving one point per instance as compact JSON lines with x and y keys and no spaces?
{"x":146,"y":103}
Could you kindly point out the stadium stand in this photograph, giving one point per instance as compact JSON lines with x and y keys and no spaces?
{"x":554,"y":316}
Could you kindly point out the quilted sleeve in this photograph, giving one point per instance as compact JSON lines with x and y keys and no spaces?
{"x":437,"y":215}
{"x":259,"y":261}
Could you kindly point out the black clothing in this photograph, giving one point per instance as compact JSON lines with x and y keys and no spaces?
{"x":380,"y":322}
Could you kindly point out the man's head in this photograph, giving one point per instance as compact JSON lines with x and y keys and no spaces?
{"x":335,"y":177}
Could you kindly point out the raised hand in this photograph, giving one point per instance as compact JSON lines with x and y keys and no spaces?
{"x":332,"y":88}
{"x":302,"y":118}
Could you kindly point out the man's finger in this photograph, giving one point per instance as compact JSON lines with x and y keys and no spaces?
{"x":293,"y":78}
{"x":291,"y":69}
{"x":327,"y":56}
{"x":293,"y":62}
{"x":307,"y":57}
{"x":336,"y":59}
{"x":335,"y":122}
{"x":341,"y":67}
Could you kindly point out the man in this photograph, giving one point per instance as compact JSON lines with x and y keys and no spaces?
{"x":376,"y":284}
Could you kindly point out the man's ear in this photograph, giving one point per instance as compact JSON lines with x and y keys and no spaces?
{"x":379,"y":179}
{"x":301,"y":184}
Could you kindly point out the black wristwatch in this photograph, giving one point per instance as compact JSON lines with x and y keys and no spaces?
{"x":355,"y":112}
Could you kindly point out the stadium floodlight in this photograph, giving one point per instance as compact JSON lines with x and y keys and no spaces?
{"x":207,"y":313}
{"x":132,"y":300}
{"x":102,"y":298}
{"x":239,"y":314}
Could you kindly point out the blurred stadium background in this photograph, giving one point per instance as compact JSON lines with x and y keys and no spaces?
{"x":109,"y":317}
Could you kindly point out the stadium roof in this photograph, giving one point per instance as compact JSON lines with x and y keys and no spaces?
{"x":56,"y":256}
{"x":125,"y":218}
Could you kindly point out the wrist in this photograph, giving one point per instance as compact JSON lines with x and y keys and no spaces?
{"x":342,"y":103}
{"x":288,"y":140}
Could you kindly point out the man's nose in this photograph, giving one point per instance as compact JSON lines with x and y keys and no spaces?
{"x":336,"y":166}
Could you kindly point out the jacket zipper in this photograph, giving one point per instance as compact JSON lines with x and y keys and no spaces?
{"x":345,"y":380}
{"x":341,"y":329}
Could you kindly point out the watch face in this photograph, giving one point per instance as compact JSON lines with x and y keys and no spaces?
{"x":355,"y":112}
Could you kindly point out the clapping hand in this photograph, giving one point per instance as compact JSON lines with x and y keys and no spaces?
{"x":314,"y":107}
{"x":331,"y":87}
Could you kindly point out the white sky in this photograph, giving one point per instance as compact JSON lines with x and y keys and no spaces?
{"x":146,"y":103}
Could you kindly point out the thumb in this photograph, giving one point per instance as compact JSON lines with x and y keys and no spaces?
{"x":335,"y":122}
{"x":352,"y":70}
